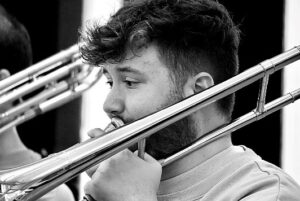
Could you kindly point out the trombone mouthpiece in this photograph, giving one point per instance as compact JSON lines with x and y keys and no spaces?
{"x":115,"y":123}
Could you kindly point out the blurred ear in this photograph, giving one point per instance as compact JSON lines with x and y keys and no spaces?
{"x":198,"y":83}
{"x":4,"y":74}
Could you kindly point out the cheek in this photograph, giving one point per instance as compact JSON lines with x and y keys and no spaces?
{"x":142,"y":104}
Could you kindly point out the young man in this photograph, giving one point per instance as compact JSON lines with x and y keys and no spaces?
{"x":154,"y":54}
{"x":16,"y":54}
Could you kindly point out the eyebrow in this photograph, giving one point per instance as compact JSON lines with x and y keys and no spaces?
{"x":125,"y":69}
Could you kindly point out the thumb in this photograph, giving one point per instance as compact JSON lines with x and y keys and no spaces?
{"x":96,"y":132}
{"x":149,"y":158}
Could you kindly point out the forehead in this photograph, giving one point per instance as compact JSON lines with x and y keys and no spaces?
{"x":146,"y":61}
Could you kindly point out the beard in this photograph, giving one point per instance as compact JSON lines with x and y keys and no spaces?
{"x":172,"y":138}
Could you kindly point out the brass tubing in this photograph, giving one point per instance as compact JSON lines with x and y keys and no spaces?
{"x":27,"y":73}
{"x":59,"y":168}
{"x":235,"y":125}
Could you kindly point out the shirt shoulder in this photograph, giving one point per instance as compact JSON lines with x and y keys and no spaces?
{"x":269,"y":182}
{"x":255,"y":179}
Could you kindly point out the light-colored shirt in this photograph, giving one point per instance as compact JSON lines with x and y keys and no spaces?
{"x":236,"y":173}
{"x":61,"y":193}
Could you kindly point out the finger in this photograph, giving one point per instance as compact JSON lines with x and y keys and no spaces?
{"x":91,"y":171}
{"x":96,"y":132}
{"x":149,"y":158}
{"x":125,"y":153}
{"x":88,"y":197}
{"x":4,"y":74}
{"x":90,"y":191}
{"x":88,"y":187}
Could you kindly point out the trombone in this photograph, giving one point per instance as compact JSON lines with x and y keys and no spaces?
{"x":53,"y":81}
{"x":34,"y":180}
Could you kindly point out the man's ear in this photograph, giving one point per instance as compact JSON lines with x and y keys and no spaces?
{"x":202,"y":81}
{"x":197,"y":83}
{"x":4,"y":74}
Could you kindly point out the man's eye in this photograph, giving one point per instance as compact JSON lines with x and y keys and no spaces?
{"x":130,"y":83}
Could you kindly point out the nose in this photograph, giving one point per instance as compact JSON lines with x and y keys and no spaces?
{"x":114,"y":103}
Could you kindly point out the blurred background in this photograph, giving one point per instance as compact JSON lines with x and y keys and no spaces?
{"x":268,"y":28}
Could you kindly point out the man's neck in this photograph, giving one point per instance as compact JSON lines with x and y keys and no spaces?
{"x":10,"y":142}
{"x":206,"y":123}
{"x":196,"y":158}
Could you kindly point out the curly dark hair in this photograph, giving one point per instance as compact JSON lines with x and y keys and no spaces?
{"x":186,"y":32}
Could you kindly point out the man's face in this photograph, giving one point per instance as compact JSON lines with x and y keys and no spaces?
{"x":141,"y":85}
